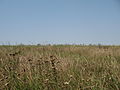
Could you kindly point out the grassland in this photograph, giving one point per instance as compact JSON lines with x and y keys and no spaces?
{"x":59,"y":67}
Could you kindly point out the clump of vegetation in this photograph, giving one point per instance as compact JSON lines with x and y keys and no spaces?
{"x":60,"y":67}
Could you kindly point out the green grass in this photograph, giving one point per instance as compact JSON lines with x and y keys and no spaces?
{"x":60,"y":67}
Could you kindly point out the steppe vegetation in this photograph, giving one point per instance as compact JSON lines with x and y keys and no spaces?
{"x":59,"y":67}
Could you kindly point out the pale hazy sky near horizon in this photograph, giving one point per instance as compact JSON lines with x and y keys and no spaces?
{"x":60,"y":21}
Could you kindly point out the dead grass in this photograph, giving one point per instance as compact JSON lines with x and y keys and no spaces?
{"x":65,"y":67}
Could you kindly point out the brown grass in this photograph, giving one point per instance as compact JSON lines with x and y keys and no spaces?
{"x":60,"y":67}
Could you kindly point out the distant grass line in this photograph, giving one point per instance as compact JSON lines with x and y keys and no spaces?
{"x":59,"y":67}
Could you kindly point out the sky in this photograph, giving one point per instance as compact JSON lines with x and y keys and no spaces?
{"x":60,"y":22}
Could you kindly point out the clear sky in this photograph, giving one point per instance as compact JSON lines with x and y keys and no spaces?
{"x":60,"y":21}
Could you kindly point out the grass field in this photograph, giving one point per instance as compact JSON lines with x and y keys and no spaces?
{"x":59,"y":67}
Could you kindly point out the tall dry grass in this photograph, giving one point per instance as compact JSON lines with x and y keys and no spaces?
{"x":60,"y":67}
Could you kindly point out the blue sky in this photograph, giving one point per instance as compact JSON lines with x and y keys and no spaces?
{"x":60,"y":21}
